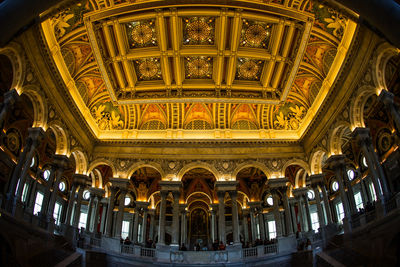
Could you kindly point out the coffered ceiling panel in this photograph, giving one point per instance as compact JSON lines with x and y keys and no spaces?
{"x":167,"y":69}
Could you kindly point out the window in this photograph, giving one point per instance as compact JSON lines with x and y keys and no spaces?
{"x":372,"y":191}
{"x":314,"y":221}
{"x":25,"y":192}
{"x":82,"y":220}
{"x":38,"y":203}
{"x":271,"y":229}
{"x":340,"y":211}
{"x":33,"y":162}
{"x":335,"y":186}
{"x":125,"y":229}
{"x":86,"y":194}
{"x":62,"y":186}
{"x":57,"y":213}
{"x":358,"y":199}
{"x":310,"y":194}
{"x":350,"y":174}
{"x":270,"y":201}
{"x":139,"y":232}
{"x":127,"y":200}
{"x":258,"y":231}
{"x":46,"y":174}
{"x":364,"y":162}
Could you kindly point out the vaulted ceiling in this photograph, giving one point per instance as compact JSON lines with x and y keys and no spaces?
{"x":175,"y":69}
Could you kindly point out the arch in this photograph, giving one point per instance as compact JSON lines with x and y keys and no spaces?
{"x":299,"y":162}
{"x":335,"y":137}
{"x":96,"y":175}
{"x":14,"y":52}
{"x":199,"y":164}
{"x":202,"y":193}
{"x":249,"y":164}
{"x":153,"y":204}
{"x":102,"y":161}
{"x":357,"y":106}
{"x":81,"y":161}
{"x":62,"y":141}
{"x":382,"y":55}
{"x":40,"y":108}
{"x":316,"y":160}
{"x":141,"y":164}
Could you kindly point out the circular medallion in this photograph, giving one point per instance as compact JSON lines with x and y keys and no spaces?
{"x":148,"y":69}
{"x":198,"y":67}
{"x":171,"y":165}
{"x":142,"y":34}
{"x":248,"y":70}
{"x":199,"y":30}
{"x":255,"y":34}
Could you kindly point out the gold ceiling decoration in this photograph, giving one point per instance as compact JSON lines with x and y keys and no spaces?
{"x":157,"y":69}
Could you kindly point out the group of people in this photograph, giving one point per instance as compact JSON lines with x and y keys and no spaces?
{"x":258,"y":242}
{"x":304,"y":245}
{"x":197,"y":247}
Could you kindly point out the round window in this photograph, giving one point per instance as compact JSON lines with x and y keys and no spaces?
{"x":364,"y":162}
{"x":46,"y":175}
{"x":127,"y":201}
{"x":33,"y":162}
{"x":62,"y":186}
{"x":270,"y":201}
{"x":350,"y":174}
{"x":310,"y":194}
{"x":86,"y":194}
{"x":335,"y":186}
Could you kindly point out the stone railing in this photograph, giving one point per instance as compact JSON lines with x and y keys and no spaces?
{"x":271,"y":249}
{"x":95,"y":241}
{"x":219,"y":256}
{"x":249,"y":252}
{"x":147,"y":252}
{"x":127,"y":249}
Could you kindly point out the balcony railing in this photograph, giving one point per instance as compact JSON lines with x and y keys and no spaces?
{"x":147,"y":252}
{"x":271,"y":249}
{"x":127,"y":249}
{"x":249,"y":252}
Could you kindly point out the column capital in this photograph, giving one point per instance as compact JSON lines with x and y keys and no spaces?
{"x":362,"y":135}
{"x":121,"y":183}
{"x":277,"y":182}
{"x":292,"y":200}
{"x":214,"y":207}
{"x":170,"y":185}
{"x":36,"y":133}
{"x":254,"y":205}
{"x":99,"y":192}
{"x":226,"y":185}
{"x":299,"y":192}
{"x":80,"y":179}
{"x":163,"y":194}
{"x":317,"y":179}
{"x":10,"y":97}
{"x":386,"y":97}
{"x":182,"y":208}
{"x":142,"y":205}
{"x":60,"y":161}
{"x":336,"y":161}
{"x":233,"y":194}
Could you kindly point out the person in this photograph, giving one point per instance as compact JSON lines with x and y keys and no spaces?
{"x":215,"y":245}
{"x":127,"y":241}
{"x":197,"y":247}
{"x":183,"y":247}
{"x":221,"y":246}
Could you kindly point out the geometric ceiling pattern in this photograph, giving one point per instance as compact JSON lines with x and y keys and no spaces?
{"x":147,"y":67}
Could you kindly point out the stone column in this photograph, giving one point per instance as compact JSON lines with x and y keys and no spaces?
{"x":175,"y":219}
{"x":245,"y":226}
{"x":182,"y":208}
{"x":253,"y":224}
{"x":235,"y":218}
{"x":144,"y":226}
{"x":299,"y":199}
{"x":277,"y":217}
{"x":97,"y":214}
{"x":135,"y":224}
{"x":308,"y":214}
{"x":261,"y":223}
{"x":89,"y":214}
{"x":321,"y":218}
{"x":221,"y":216}
{"x":71,"y":203}
{"x":9,"y":99}
{"x":120,"y":214}
{"x":151,"y":227}
{"x":213,"y":223}
{"x":161,"y":226}
{"x":327,"y":204}
{"x":31,"y":196}
{"x":77,"y":212}
{"x":288,"y":221}
{"x":110,"y":210}
{"x":364,"y":140}
{"x":388,"y":100}
{"x":61,"y":163}
{"x":292,"y":203}
{"x":350,"y":192}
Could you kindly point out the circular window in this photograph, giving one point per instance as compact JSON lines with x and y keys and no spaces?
{"x":364,"y":162}
{"x":62,"y":186}
{"x":310,"y":194}
{"x":46,"y":175}
{"x":270,"y":201}
{"x":335,"y":186}
{"x":86,"y":194}
{"x":33,"y":162}
{"x":350,"y":174}
{"x":127,"y":201}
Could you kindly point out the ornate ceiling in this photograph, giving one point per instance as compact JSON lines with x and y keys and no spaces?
{"x":174,"y":69}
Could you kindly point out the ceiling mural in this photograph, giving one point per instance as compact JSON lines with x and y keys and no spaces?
{"x":199,"y":68}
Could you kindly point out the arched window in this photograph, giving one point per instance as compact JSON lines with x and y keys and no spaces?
{"x":335,"y":186}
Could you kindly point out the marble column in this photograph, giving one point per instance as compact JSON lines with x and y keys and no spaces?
{"x":235,"y":217}
{"x":327,"y":205}
{"x":292,"y":203}
{"x":77,"y":212}
{"x":90,"y":211}
{"x":301,"y":213}
{"x":277,"y":217}
{"x":221,"y":216}
{"x":120,"y":214}
{"x":71,"y":202}
{"x":144,"y":226}
{"x":363,"y":138}
{"x":321,"y":218}
{"x":183,"y":211}
{"x":213,"y":223}
{"x":288,"y":221}
{"x":61,"y":163}
{"x":175,"y":219}
{"x":245,"y":226}
{"x":96,"y":218}
{"x":31,"y":196}
{"x":136,"y":225}
{"x":308,"y":213}
{"x":253,"y":224}
{"x":110,"y":210}
{"x":161,"y":226}
{"x":349,"y":192}
{"x":151,"y":227}
{"x":9,"y":99}
{"x":262,"y":225}
{"x":338,"y":163}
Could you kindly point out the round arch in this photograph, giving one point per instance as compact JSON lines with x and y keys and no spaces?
{"x":141,"y":164}
{"x":102,"y":161}
{"x":316,"y":159}
{"x":357,"y":105}
{"x":382,"y":55}
{"x":40,"y":108}
{"x":14,"y":53}
{"x":253,"y":164}
{"x":81,"y":161}
{"x":335,"y":137}
{"x":299,"y":162}
{"x":198,"y":192}
{"x":201,"y":165}
{"x":62,"y":141}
